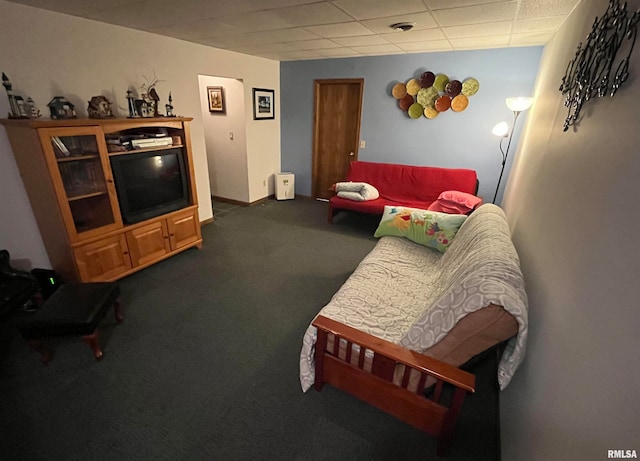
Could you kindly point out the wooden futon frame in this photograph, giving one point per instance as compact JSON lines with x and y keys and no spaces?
{"x":377,"y":388}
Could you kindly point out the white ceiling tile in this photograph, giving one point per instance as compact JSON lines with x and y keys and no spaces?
{"x":539,"y":38}
{"x":344,"y":29}
{"x":266,"y":48}
{"x":221,"y":8}
{"x":255,"y":22}
{"x":301,"y":55}
{"x":479,"y":30}
{"x":339,"y":52}
{"x":283,"y":35}
{"x":476,"y":14}
{"x":319,"y":44}
{"x":199,"y":29}
{"x":313,"y":14}
{"x":431,"y":45}
{"x":480,"y":42}
{"x":444,"y":4}
{"x":361,"y":40}
{"x":382,"y":25}
{"x":537,"y":25}
{"x":415,"y":36}
{"x":75,"y":7}
{"x":542,"y":8}
{"x":377,"y":49}
{"x":369,"y":9}
{"x":316,"y":29}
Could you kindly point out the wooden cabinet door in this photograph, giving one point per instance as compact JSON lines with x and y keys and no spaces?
{"x":148,"y":243}
{"x":184,"y":229}
{"x":103,"y":260}
{"x":81,"y":175}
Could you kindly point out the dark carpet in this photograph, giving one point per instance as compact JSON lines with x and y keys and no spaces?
{"x":205,"y":365}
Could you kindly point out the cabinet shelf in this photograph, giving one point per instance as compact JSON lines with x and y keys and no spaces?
{"x":74,"y":158}
{"x":148,"y":149}
{"x":84,"y":196}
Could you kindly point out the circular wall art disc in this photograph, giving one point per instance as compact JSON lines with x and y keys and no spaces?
{"x":399,"y":90}
{"x":453,"y":88}
{"x":440,"y":82}
{"x":459,"y":103}
{"x":470,"y":87}
{"x":406,"y":102}
{"x":426,"y":79}
{"x":427,"y":96}
{"x":443,"y":103}
{"x":415,"y":111}
{"x":413,"y":87}
{"x":430,"y":112}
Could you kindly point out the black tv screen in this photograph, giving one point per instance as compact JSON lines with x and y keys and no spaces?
{"x":150,"y":183}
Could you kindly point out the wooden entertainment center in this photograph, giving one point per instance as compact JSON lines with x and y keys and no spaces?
{"x":81,"y":206}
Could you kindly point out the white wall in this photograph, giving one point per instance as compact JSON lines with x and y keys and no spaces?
{"x":570,"y":201}
{"x":47,"y":54}
{"x":227,"y":158}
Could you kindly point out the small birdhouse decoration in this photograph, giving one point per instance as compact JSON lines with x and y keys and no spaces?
{"x":99,"y":107}
{"x":16,"y":103}
{"x":143,"y":108}
{"x":61,"y":108}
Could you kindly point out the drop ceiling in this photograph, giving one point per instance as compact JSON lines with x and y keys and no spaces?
{"x":289,"y":30}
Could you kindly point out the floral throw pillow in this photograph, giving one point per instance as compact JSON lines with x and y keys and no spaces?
{"x":429,"y":228}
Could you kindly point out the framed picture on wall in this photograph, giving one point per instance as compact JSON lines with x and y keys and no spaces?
{"x":216,"y":99}
{"x":263,"y":104}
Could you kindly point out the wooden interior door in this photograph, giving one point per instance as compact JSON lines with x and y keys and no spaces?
{"x":336,"y":131}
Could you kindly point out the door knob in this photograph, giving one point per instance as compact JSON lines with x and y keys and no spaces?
{"x":351,"y":154}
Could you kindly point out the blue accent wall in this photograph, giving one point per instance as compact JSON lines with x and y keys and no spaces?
{"x":452,"y":140}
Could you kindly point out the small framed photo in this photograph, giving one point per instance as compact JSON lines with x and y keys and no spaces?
{"x":216,"y":99}
{"x":263,"y":104}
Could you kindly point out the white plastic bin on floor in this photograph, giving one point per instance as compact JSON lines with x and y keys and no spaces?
{"x":285,"y":186}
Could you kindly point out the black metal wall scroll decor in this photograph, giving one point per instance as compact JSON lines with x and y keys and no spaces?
{"x":592,"y":72}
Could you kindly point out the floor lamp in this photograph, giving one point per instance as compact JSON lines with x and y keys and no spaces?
{"x":517,"y":105}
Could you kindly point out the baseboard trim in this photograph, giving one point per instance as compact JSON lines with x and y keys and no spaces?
{"x":256,"y":202}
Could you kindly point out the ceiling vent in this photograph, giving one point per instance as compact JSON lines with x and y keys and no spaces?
{"x":402,"y":26}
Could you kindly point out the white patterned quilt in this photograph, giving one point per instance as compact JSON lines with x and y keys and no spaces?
{"x":412,"y":295}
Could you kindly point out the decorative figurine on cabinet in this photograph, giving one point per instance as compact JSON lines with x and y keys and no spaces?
{"x":16,"y":103}
{"x":143,"y":108}
{"x":169,"y":107}
{"x":154,"y":98}
{"x":61,"y":109}
{"x":131,"y":100}
{"x":31,"y":109}
{"x":99,"y":107}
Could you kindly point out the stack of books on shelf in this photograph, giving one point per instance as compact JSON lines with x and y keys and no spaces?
{"x":81,"y":178}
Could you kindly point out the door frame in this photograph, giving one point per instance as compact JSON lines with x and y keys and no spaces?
{"x":316,"y":122}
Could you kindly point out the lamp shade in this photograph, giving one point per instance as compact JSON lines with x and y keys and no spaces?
{"x":519,"y":104}
{"x":501,"y":129}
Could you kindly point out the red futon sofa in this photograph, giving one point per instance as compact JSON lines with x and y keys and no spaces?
{"x":402,"y":185}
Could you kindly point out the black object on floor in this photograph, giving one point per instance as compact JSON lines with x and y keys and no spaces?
{"x":73,"y":309}
{"x":17,"y":287}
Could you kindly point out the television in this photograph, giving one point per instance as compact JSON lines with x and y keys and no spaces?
{"x":150,"y":183}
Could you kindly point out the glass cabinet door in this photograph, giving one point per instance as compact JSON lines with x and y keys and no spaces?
{"x":84,"y":193}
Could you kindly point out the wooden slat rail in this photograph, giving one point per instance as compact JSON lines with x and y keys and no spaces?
{"x":377,"y":387}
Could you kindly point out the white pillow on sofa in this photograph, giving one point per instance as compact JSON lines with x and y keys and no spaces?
{"x":359,"y":191}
